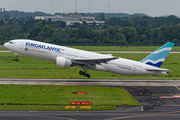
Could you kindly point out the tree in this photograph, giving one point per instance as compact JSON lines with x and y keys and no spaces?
{"x":175,"y":40}
{"x":34,"y":32}
{"x":1,"y":22}
{"x":129,"y":32}
{"x":156,"y":32}
{"x":76,"y":25}
{"x":102,"y":18}
{"x":23,"y":36}
{"x":84,"y":23}
{"x":111,"y":31}
{"x":176,"y":32}
{"x":82,"y":32}
{"x":127,"y":23}
{"x":143,"y":37}
{"x":122,"y":43}
{"x":136,"y":38}
{"x":7,"y":17}
{"x":113,"y":21}
{"x":10,"y":21}
{"x":46,"y":32}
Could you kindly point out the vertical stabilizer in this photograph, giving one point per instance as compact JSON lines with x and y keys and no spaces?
{"x":157,"y":58}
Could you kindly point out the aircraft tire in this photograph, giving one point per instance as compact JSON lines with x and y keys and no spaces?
{"x":17,"y":60}
{"x":88,"y":76}
{"x":80,"y":72}
{"x":84,"y":74}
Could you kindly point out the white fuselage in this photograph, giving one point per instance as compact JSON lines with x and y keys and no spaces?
{"x":118,"y":66}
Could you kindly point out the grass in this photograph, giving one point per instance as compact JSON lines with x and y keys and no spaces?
{"x":29,"y":67}
{"x":122,"y":48}
{"x":49,"y":97}
{"x":53,"y":108}
{"x":116,"y":48}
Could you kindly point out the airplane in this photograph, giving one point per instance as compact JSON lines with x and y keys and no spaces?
{"x":68,"y":57}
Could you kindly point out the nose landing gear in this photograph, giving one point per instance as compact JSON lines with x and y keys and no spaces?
{"x":16,"y":57}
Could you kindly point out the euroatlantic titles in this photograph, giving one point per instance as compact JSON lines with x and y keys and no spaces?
{"x":44,"y":47}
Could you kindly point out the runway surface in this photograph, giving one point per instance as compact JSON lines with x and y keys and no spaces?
{"x":160,"y":100}
{"x":100,"y":115}
{"x":92,"y":82}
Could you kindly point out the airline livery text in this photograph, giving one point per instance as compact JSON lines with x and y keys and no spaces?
{"x":44,"y":47}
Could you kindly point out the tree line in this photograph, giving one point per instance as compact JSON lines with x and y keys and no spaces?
{"x":140,"y":30}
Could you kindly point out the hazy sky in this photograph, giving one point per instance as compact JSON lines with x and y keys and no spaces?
{"x":149,"y":7}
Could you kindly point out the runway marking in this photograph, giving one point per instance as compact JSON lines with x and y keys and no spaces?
{"x":140,"y":116}
{"x":177,"y":87}
{"x":164,"y":94}
{"x":41,"y":116}
{"x":125,"y":117}
{"x":171,"y":105}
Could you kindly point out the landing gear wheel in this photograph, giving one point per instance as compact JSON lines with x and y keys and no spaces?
{"x":84,"y":74}
{"x":16,"y":59}
{"x":80,"y":72}
{"x":88,"y":75}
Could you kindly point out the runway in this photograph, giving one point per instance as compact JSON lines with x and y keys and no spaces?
{"x":91,"y":82}
{"x":156,"y":97}
{"x":92,"y":115}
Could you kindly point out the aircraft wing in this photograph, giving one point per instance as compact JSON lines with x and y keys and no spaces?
{"x":92,"y":61}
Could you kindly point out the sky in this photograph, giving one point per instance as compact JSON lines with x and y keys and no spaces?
{"x":150,"y":7}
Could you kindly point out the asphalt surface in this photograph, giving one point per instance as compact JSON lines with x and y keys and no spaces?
{"x":92,"y":82}
{"x":111,"y":115}
{"x":155,"y":96}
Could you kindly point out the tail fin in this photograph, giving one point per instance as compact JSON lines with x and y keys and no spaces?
{"x":157,"y":58}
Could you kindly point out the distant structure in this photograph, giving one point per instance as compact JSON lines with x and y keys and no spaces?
{"x":70,"y":19}
{"x":52,"y":7}
{"x":76,"y":6}
{"x":2,"y":14}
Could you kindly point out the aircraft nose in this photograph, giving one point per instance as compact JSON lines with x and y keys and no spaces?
{"x":5,"y":45}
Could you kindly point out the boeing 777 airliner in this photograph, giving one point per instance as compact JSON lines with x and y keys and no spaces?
{"x":69,"y":57}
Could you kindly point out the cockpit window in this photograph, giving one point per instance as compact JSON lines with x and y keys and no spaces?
{"x":10,"y":42}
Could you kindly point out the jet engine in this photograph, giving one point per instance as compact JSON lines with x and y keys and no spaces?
{"x":63,"y":62}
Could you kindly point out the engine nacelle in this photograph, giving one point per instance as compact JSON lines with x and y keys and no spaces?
{"x":63,"y":62}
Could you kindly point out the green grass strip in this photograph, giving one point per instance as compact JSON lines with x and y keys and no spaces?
{"x":49,"y":97}
{"x":53,"y":108}
{"x":28,"y":67}
{"x":116,"y":48}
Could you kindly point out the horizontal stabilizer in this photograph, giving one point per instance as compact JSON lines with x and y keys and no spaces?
{"x":158,"y":70}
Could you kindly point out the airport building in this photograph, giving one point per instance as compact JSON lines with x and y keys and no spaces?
{"x":2,"y":14}
{"x":70,"y":19}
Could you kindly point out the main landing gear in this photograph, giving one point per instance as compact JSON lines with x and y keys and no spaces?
{"x":85,"y":72}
